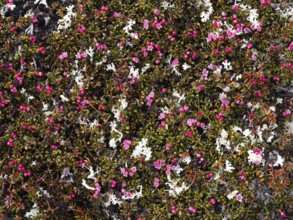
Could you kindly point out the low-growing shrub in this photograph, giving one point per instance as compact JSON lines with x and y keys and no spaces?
{"x":146,"y":109}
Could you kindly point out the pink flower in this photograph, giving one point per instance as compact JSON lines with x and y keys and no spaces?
{"x":80,"y":163}
{"x":234,"y":7}
{"x":50,"y":120}
{"x":133,"y":169}
{"x":72,"y":196}
{"x":157,"y":11}
{"x":146,"y":24}
{"x":81,"y":55}
{"x":135,"y":59}
{"x":162,"y":116}
{"x":159,"y":164}
{"x":213,"y":201}
{"x":27,"y":174}
{"x":33,"y":39}
{"x":253,"y":57}
{"x":156,"y":182}
{"x":249,"y":46}
{"x":117,"y":15}
{"x":13,"y":89}
{"x":10,"y":143}
{"x":174,"y":210}
{"x":228,"y":49}
{"x":63,"y":56}
{"x":225,"y":103}
{"x":124,"y":172}
{"x":113,"y":184}
{"x":18,"y":76}
{"x":204,"y":74}
{"x":12,"y":29}
{"x":175,"y":62}
{"x":183,"y":109}
{"x":11,"y":163}
{"x":54,"y":147}
{"x":265,"y":2}
{"x":220,"y":116}
{"x":81,"y":29}
{"x":282,"y":214}
{"x":286,"y":113}
{"x":150,"y":98}
{"x":189,"y":134}
{"x":192,"y":209}
{"x":126,"y":144}
{"x":104,"y":8}
{"x":97,"y":191}
{"x":290,"y":46}
{"x":191,"y":122}
{"x":259,"y":93}
{"x":239,"y":197}
{"x":20,"y":167}
{"x":168,"y":147}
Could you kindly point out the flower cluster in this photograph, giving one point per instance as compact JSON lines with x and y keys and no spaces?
{"x":146,"y":109}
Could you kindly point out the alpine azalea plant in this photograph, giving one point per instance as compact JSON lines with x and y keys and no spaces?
{"x":146,"y":109}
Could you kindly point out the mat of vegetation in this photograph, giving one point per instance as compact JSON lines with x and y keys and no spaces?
{"x":143,"y":109}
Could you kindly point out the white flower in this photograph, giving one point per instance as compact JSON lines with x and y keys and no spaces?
{"x":279,"y":101}
{"x":63,"y":98}
{"x":141,"y":149}
{"x":65,"y":22}
{"x":129,"y":25}
{"x":165,"y":110}
{"x":227,"y":89}
{"x":111,"y":67}
{"x":273,"y":108}
{"x":112,"y":199}
{"x":166,"y":5}
{"x":177,"y":95}
{"x":112,"y":143}
{"x":30,"y":29}
{"x":280,"y":161}
{"x":123,"y":103}
{"x":92,"y":172}
{"x":254,"y":158}
{"x":232,"y":194}
{"x":133,"y":72}
{"x":223,"y":141}
{"x":185,"y":66}
{"x":86,"y":185}
{"x":90,"y":52}
{"x":79,"y":79}
{"x":270,"y":138}
{"x":238,"y":77}
{"x":186,"y":160}
{"x":222,"y":96}
{"x":43,"y":2}
{"x":252,"y":18}
{"x":205,"y":15}
{"x":33,"y":212}
{"x":287,"y":13}
{"x":174,"y":189}
{"x":229,"y":167}
{"x":178,"y":169}
{"x":227,"y":65}
{"x":145,"y":68}
{"x":236,"y":129}
{"x":43,"y":192}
